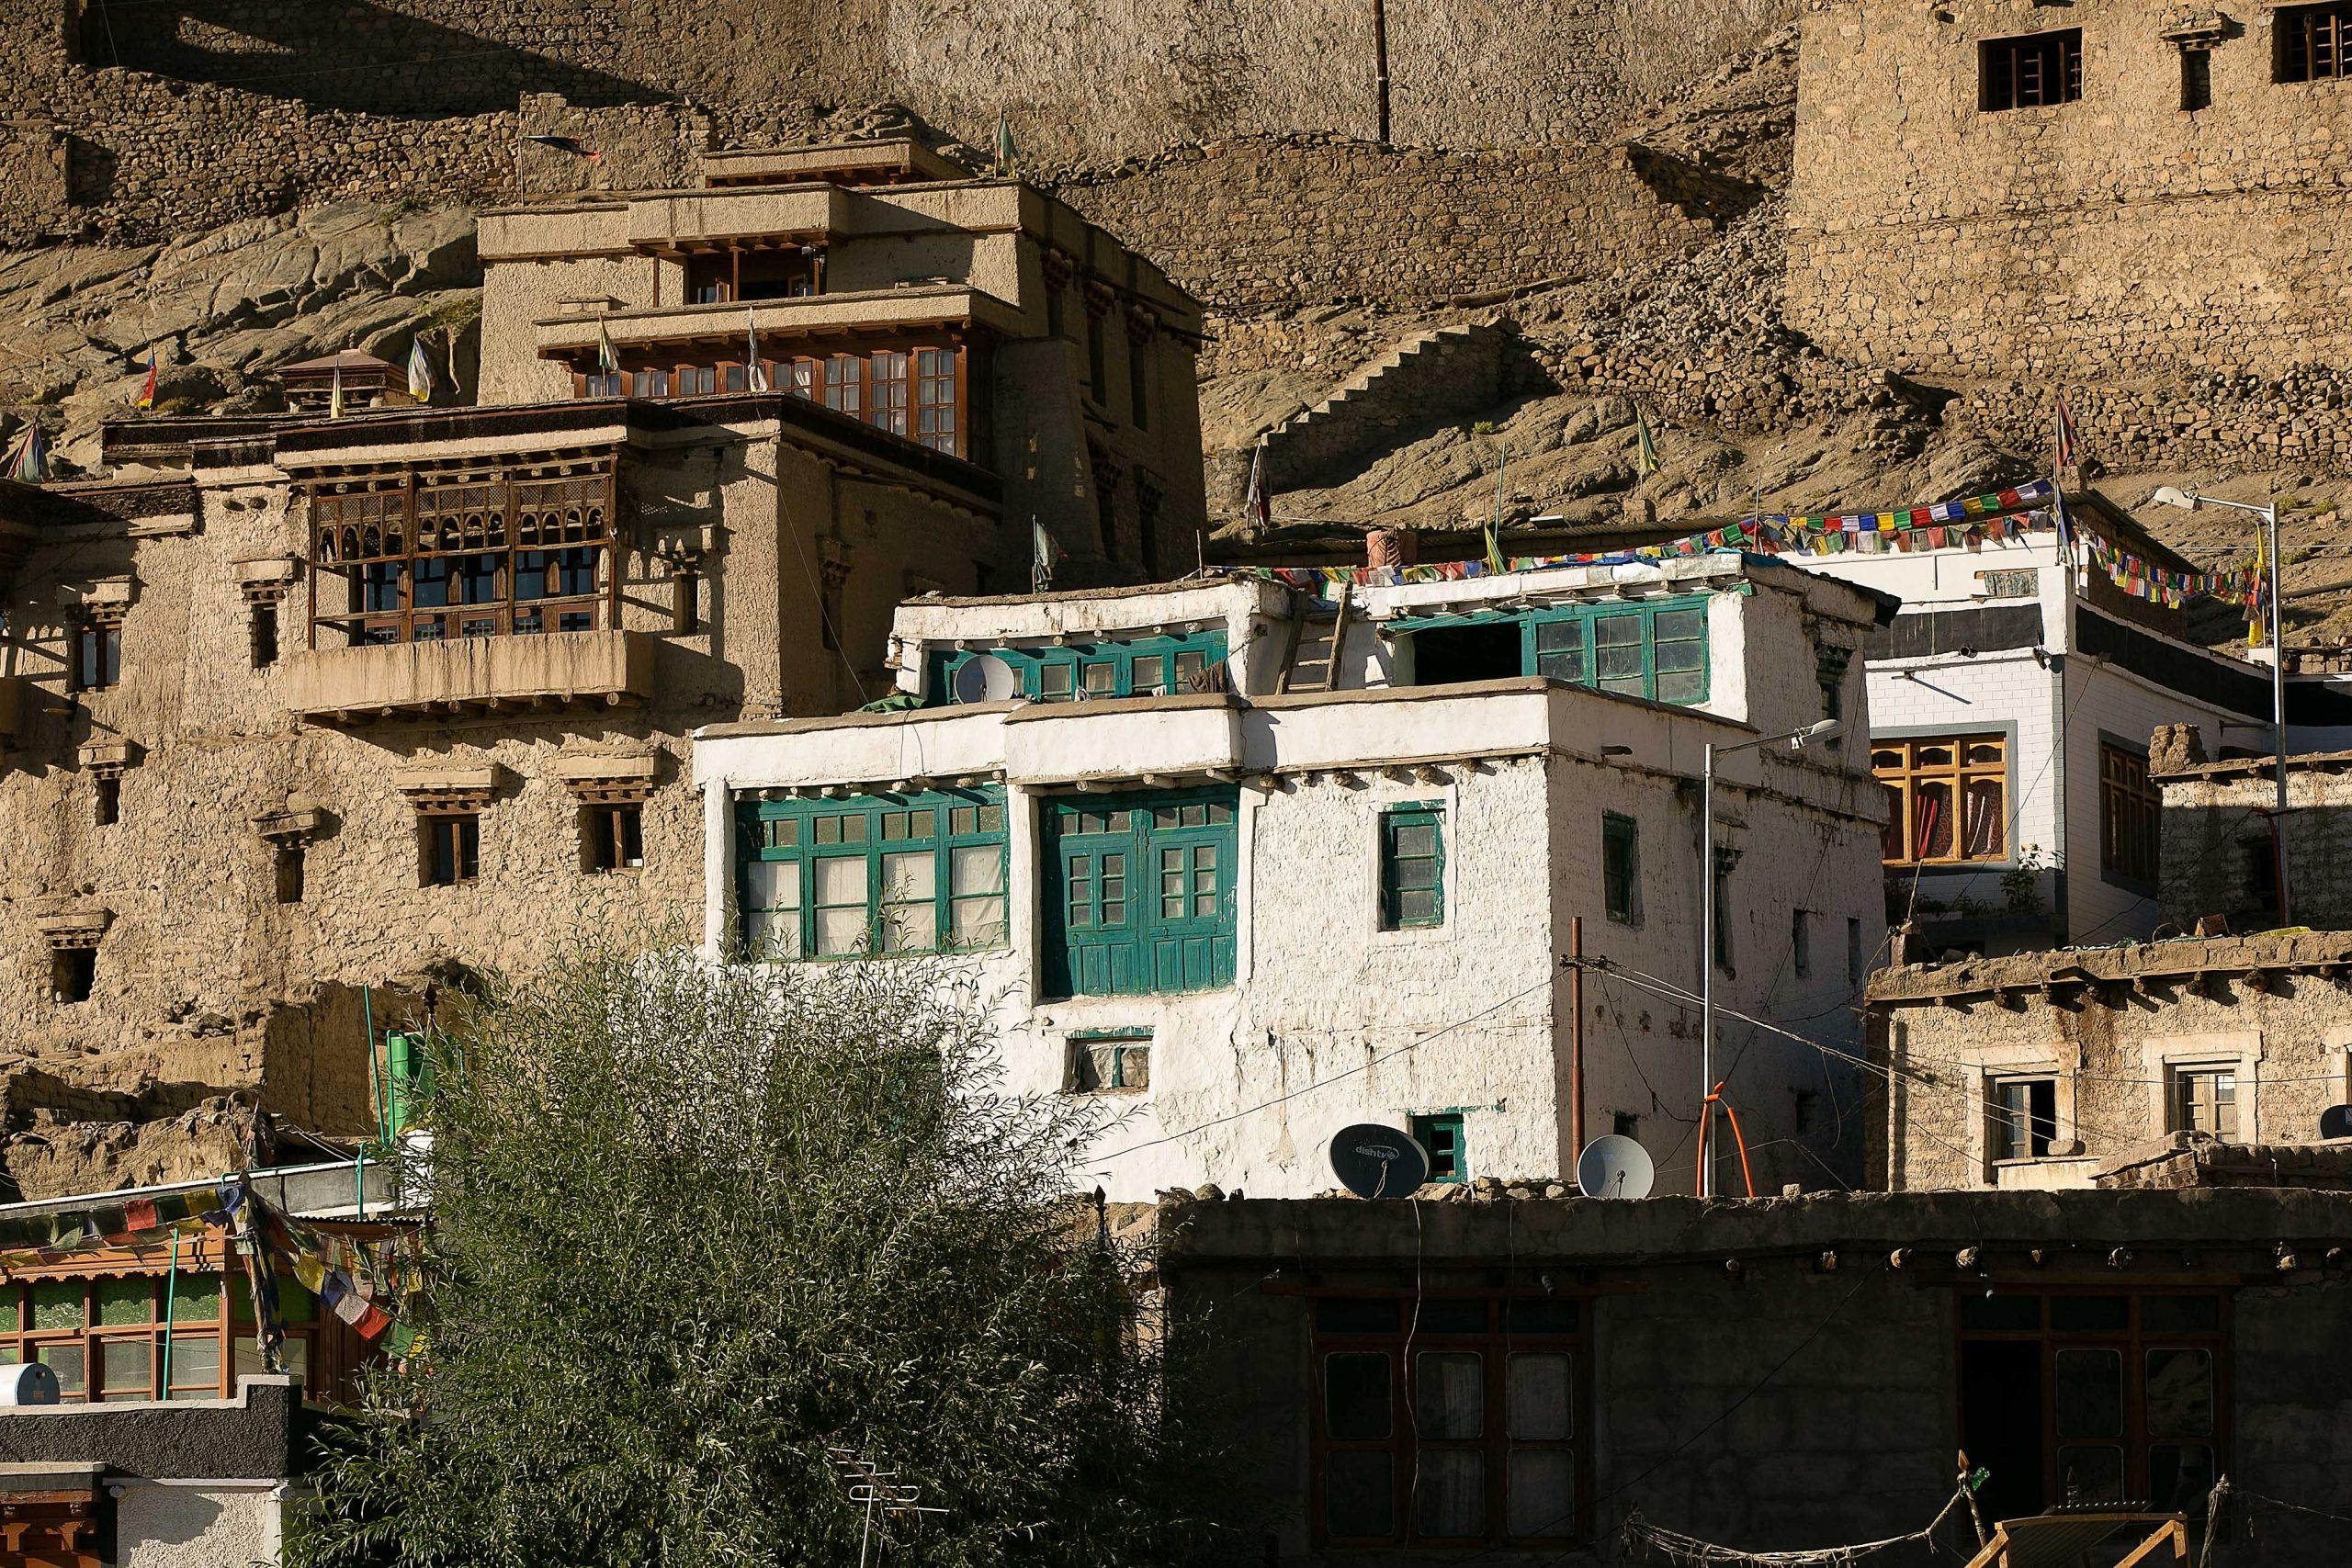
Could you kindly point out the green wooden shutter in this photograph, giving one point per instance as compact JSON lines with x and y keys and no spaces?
{"x":1143,"y":895}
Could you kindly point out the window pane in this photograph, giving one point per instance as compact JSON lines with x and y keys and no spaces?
{"x":976,"y":869}
{"x":1450,"y":1315}
{"x":2090,"y":1313}
{"x":128,"y":1368}
{"x":1682,"y":625}
{"x":1453,"y":1488}
{"x":1355,"y":1395}
{"x":65,"y":1361}
{"x":1451,"y":1400}
{"x":1416,"y":906}
{"x":1416,"y":839}
{"x":2174,"y":1313}
{"x":841,"y":879}
{"x":2180,"y":1477}
{"x":1543,"y":1492}
{"x":1541,"y":1315}
{"x":195,"y":1366}
{"x":1985,"y":827}
{"x":1151,"y":675}
{"x":57,"y":1304}
{"x":773,"y":935}
{"x":2090,"y":1393}
{"x":1931,"y":822}
{"x":978,"y":922}
{"x":911,"y":874}
{"x":1344,"y":1315}
{"x":126,"y":1300}
{"x":1359,"y":1493}
{"x":1539,"y":1396}
{"x":910,"y":928}
{"x":2180,"y":1393}
{"x":2090,"y":1474}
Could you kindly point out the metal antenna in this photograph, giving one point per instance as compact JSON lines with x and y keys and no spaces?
{"x":876,"y":1491}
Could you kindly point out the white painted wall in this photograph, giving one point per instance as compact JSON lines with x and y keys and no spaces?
{"x":198,"y":1524}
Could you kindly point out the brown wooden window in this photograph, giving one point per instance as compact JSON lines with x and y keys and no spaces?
{"x":480,"y":559}
{"x":2093,"y":1397}
{"x":104,"y":1336}
{"x":2129,"y":809}
{"x":936,"y":398}
{"x":916,"y":392}
{"x":611,"y":836}
{"x":1448,"y":1421}
{"x":2025,"y":1118}
{"x":97,"y":654}
{"x":887,"y":391}
{"x":1947,"y":798}
{"x":2311,"y":43}
{"x":2205,"y":1100}
{"x":2030,"y":71}
{"x":449,"y":845}
{"x":696,"y":380}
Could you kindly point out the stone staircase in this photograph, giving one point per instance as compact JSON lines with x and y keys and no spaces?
{"x":1430,"y":378}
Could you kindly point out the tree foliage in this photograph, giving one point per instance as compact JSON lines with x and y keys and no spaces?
{"x":695,"y":1227}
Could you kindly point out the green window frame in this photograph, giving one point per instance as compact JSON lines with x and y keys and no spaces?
{"x":1109,"y":1061}
{"x":1141,"y":892}
{"x":1440,"y":1132}
{"x":863,"y":875}
{"x":1134,"y":667}
{"x":1621,"y":868}
{"x":1412,"y":865}
{"x":1655,"y":649}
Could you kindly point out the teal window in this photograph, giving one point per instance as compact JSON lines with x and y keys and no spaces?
{"x":1140,"y":666}
{"x":920,"y":872}
{"x":1110,"y":1062}
{"x":1141,"y":895}
{"x":1440,"y":1133}
{"x":1657,"y":650}
{"x":1412,"y":866}
{"x":1619,"y":867}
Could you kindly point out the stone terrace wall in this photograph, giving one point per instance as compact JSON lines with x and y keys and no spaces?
{"x":1259,"y":224}
{"x":2303,"y":419}
{"x":2073,"y":239}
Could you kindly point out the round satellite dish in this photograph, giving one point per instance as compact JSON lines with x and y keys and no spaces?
{"x":2336,"y":1121}
{"x":28,"y":1383}
{"x":1614,"y":1166}
{"x":985,"y":678}
{"x":1374,"y":1161}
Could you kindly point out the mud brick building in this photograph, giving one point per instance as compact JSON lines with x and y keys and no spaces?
{"x":298,"y":708}
{"x":1997,"y":188}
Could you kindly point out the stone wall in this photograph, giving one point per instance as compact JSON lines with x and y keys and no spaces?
{"x":2073,"y":239}
{"x":2217,"y":831}
{"x":2301,"y":419}
{"x":2110,"y":1026}
{"x":1261,"y":223}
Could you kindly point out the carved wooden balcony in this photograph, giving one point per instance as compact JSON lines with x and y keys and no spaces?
{"x":468,"y":676}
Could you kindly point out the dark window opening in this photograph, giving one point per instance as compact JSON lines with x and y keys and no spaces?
{"x":2311,"y":43}
{"x":2030,"y":72}
{"x":452,"y":848}
{"x":1440,"y":1134}
{"x":2196,"y":80}
{"x":612,"y":837}
{"x":72,"y":972}
{"x":685,"y":607}
{"x":1620,"y":869}
{"x":1139,"y":384}
{"x":1801,"y":940}
{"x":2262,"y":874}
{"x":289,"y":873}
{"x":1725,"y":861}
{"x":1098,"y":362}
{"x":107,"y":801}
{"x":2025,"y":1118}
{"x":1625,"y":1124}
{"x":1483,"y":651}
{"x":264,"y":639}
{"x":1853,"y":951}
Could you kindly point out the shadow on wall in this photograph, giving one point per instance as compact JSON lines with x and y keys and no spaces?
{"x":339,"y":55}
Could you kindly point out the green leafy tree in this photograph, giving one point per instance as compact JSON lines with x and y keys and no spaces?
{"x":697,"y":1228}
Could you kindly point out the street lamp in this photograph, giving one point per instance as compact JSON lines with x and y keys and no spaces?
{"x":2189,"y":500}
{"x":1796,"y":740}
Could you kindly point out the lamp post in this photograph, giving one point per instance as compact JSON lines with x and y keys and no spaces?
{"x":1796,"y":740}
{"x":2189,"y":500}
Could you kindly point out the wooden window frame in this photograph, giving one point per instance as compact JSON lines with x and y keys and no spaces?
{"x":2131,"y":811}
{"x":389,"y":535}
{"x":785,"y":832}
{"x":1128,"y":1050}
{"x":1096,"y":942}
{"x":97,"y":653}
{"x":1904,"y":778}
{"x":2311,"y":43}
{"x":462,"y":828}
{"x":2025,"y":71}
{"x":2134,"y":1341}
{"x":1423,"y":1124}
{"x":1565,"y":642}
{"x":2182,"y":1105}
{"x":1394,"y":820}
{"x":1500,"y":1341}
{"x":2010,"y":1133}
{"x":1134,"y":667}
{"x":918,"y":389}
{"x":609,"y":831}
{"x":324,"y":1358}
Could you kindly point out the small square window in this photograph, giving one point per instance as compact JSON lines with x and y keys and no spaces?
{"x":2030,"y":71}
{"x":1440,"y":1133}
{"x":612,"y":837}
{"x":1110,"y":1063}
{"x":451,"y":848}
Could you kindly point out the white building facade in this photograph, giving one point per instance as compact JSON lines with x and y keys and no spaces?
{"x":1250,"y":916}
{"x":2011,"y":704}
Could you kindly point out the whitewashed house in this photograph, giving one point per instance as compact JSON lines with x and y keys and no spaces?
{"x":2011,"y":704}
{"x":1255,"y":915}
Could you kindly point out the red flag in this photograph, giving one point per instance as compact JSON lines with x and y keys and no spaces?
{"x":147,"y":392}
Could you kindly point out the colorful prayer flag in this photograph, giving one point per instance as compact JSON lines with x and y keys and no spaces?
{"x":147,"y":392}
{"x":1258,"y":504}
{"x":420,"y":371}
{"x":1003,"y":145}
{"x":755,"y":374}
{"x":609,"y":359}
{"x":1645,"y":446}
{"x":334,"y":397}
{"x":29,"y":459}
{"x":2067,"y":451}
{"x":1044,"y":555}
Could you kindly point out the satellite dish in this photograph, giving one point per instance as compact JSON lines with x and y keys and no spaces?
{"x":985,"y":678}
{"x":1374,"y":1161}
{"x":1614,"y":1166}
{"x":2336,"y":1121}
{"x":28,"y":1383}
